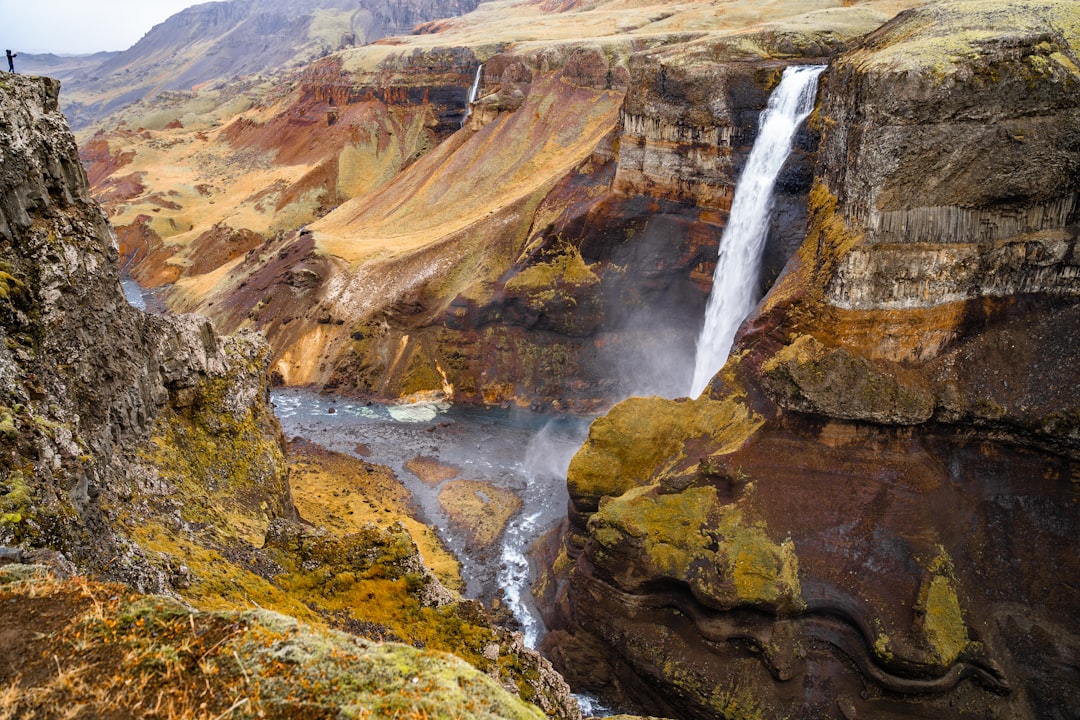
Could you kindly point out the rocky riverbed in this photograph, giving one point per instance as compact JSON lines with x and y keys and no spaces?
{"x":464,"y":467}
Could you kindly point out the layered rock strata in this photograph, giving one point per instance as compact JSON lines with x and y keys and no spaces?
{"x":557,"y":252}
{"x":871,"y":510}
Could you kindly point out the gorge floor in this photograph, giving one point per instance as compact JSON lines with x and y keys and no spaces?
{"x":436,"y":449}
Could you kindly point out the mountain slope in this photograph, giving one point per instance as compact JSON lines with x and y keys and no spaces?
{"x":457,"y":243}
{"x":216,"y":41}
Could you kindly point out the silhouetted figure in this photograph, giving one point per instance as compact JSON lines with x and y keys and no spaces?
{"x":11,"y":60}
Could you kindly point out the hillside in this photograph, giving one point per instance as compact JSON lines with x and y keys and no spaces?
{"x":220,"y":41}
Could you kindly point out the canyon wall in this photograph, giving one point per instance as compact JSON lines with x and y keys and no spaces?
{"x":871,"y":510}
{"x":558,"y":250}
{"x":143,"y":449}
{"x":92,"y":387}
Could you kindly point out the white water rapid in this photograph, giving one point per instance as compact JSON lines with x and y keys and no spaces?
{"x":735,"y":280}
{"x":472,"y":95}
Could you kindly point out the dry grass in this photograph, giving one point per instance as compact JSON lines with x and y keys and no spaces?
{"x":78,"y":649}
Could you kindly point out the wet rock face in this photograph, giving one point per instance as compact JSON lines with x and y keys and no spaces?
{"x":86,"y":378}
{"x":962,"y":173}
{"x":879,"y":519}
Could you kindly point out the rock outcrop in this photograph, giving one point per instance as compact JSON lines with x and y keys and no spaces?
{"x":871,"y":512}
{"x":87,"y":380}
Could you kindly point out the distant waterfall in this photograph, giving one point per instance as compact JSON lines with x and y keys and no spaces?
{"x":472,"y":95}
{"x":735,"y":280}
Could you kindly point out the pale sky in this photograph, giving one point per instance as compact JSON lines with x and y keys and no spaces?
{"x":68,"y":27}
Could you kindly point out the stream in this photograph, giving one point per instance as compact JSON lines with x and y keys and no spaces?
{"x":522,"y":451}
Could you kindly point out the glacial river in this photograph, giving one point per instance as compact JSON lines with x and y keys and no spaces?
{"x":515,"y":449}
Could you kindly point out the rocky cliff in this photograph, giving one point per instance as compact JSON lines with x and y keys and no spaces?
{"x":555,"y":252}
{"x":871,"y":512}
{"x":88,"y":380}
{"x":142,"y":449}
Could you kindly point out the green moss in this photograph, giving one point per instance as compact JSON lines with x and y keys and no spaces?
{"x":15,"y":503}
{"x":11,"y":287}
{"x":225,"y":465}
{"x":8,"y":428}
{"x":738,"y":703}
{"x":554,"y":282}
{"x":241,"y":665}
{"x":689,"y":536}
{"x":641,"y":439}
{"x":881,"y":647}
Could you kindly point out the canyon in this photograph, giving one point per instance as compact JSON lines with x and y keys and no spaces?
{"x":869,"y":511}
{"x":142,"y":451}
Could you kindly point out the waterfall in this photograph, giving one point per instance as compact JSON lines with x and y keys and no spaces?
{"x":735,"y":280}
{"x":472,"y":95}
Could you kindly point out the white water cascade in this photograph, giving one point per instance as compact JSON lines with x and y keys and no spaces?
{"x":735,"y":280}
{"x":472,"y":95}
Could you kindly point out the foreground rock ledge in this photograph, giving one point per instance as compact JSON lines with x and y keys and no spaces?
{"x":115,"y":653}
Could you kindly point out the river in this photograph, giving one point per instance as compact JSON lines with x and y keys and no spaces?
{"x":522,"y":451}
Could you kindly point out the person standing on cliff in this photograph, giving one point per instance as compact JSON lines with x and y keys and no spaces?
{"x":11,"y":60}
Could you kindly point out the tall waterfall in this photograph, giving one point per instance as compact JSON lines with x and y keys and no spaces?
{"x":735,"y":280}
{"x":472,"y":95}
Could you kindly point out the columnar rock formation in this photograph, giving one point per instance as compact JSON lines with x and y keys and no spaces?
{"x":871,"y":512}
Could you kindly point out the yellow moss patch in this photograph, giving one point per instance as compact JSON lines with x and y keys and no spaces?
{"x":480,"y":510}
{"x":689,"y":536}
{"x":109,"y":652}
{"x":343,"y":495}
{"x":942,"y":616}
{"x":566,"y":268}
{"x":217,"y":583}
{"x":642,"y":438}
{"x":430,"y":470}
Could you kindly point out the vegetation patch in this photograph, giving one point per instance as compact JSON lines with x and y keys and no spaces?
{"x":343,"y":495}
{"x":691,"y":537}
{"x":104,"y":651}
{"x":939,"y":609}
{"x":430,"y":470}
{"x":642,"y":439}
{"x":480,"y":510}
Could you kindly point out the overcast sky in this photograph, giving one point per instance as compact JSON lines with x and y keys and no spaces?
{"x":80,"y":26}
